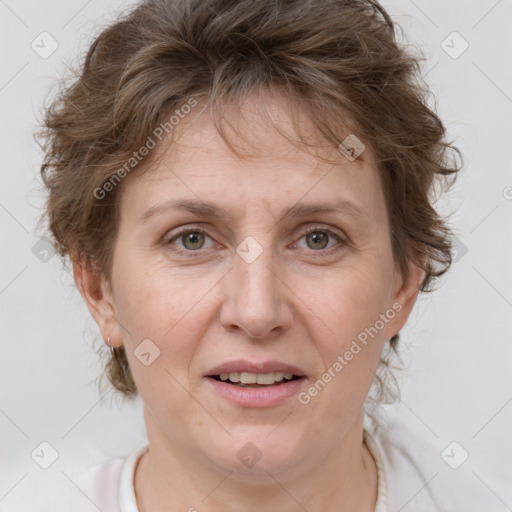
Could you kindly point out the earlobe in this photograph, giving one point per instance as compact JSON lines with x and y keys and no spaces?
{"x":409,"y":289}
{"x":96,"y":293}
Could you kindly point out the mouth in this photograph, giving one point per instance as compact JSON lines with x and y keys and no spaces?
{"x":256,"y":384}
{"x":250,"y":384}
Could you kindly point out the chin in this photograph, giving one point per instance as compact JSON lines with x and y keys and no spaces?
{"x":257,"y":453}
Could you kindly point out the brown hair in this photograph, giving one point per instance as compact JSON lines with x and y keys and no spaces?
{"x":340,"y":59}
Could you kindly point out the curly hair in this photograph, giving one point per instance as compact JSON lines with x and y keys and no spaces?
{"x":339,"y":59}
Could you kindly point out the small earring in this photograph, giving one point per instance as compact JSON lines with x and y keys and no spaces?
{"x":113,"y":353}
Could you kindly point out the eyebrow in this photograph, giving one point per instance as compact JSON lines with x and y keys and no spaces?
{"x":203,"y":209}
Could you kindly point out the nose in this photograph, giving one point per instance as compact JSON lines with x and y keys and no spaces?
{"x":257,"y":298}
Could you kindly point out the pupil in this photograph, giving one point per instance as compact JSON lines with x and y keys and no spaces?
{"x":319,"y":237}
{"x":193,"y":238}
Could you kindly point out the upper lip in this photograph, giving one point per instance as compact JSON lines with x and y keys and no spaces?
{"x":241,"y":365}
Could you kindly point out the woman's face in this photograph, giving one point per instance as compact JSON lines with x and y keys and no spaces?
{"x":261,"y":283}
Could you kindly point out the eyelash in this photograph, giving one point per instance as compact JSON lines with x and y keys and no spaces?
{"x":314,"y":229}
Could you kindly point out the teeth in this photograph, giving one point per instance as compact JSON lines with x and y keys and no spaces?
{"x":265,"y":379}
{"x":248,"y":378}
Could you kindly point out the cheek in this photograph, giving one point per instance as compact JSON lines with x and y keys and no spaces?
{"x":350,"y":358}
{"x":157,"y":304}
{"x":353,"y":299}
{"x":151,"y":296}
{"x":163,"y":308}
{"x":353,"y":318}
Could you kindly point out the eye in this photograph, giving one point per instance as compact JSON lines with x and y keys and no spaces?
{"x":192,"y":239}
{"x":318,"y":239}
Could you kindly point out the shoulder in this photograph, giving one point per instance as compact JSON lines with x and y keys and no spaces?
{"x":429,"y":474}
{"x":110,"y":484}
{"x":106,"y":485}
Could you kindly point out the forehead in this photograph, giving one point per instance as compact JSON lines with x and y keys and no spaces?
{"x":273,"y":170}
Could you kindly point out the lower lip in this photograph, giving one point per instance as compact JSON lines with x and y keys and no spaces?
{"x":257,"y":397}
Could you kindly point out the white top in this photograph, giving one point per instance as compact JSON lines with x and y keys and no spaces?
{"x":413,"y":476}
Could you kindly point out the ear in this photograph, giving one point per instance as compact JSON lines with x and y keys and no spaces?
{"x":97,"y":294}
{"x":405,"y":295}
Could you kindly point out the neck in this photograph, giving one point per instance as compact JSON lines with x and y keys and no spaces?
{"x":344,"y":481}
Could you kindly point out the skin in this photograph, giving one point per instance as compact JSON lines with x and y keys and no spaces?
{"x":299,"y":302}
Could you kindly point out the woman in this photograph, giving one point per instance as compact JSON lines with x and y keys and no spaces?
{"x":244,"y":190}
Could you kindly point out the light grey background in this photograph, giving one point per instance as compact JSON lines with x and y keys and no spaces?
{"x":457,"y":345}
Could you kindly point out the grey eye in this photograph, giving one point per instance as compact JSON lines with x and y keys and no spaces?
{"x":193,"y":240}
{"x":318,"y":239}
